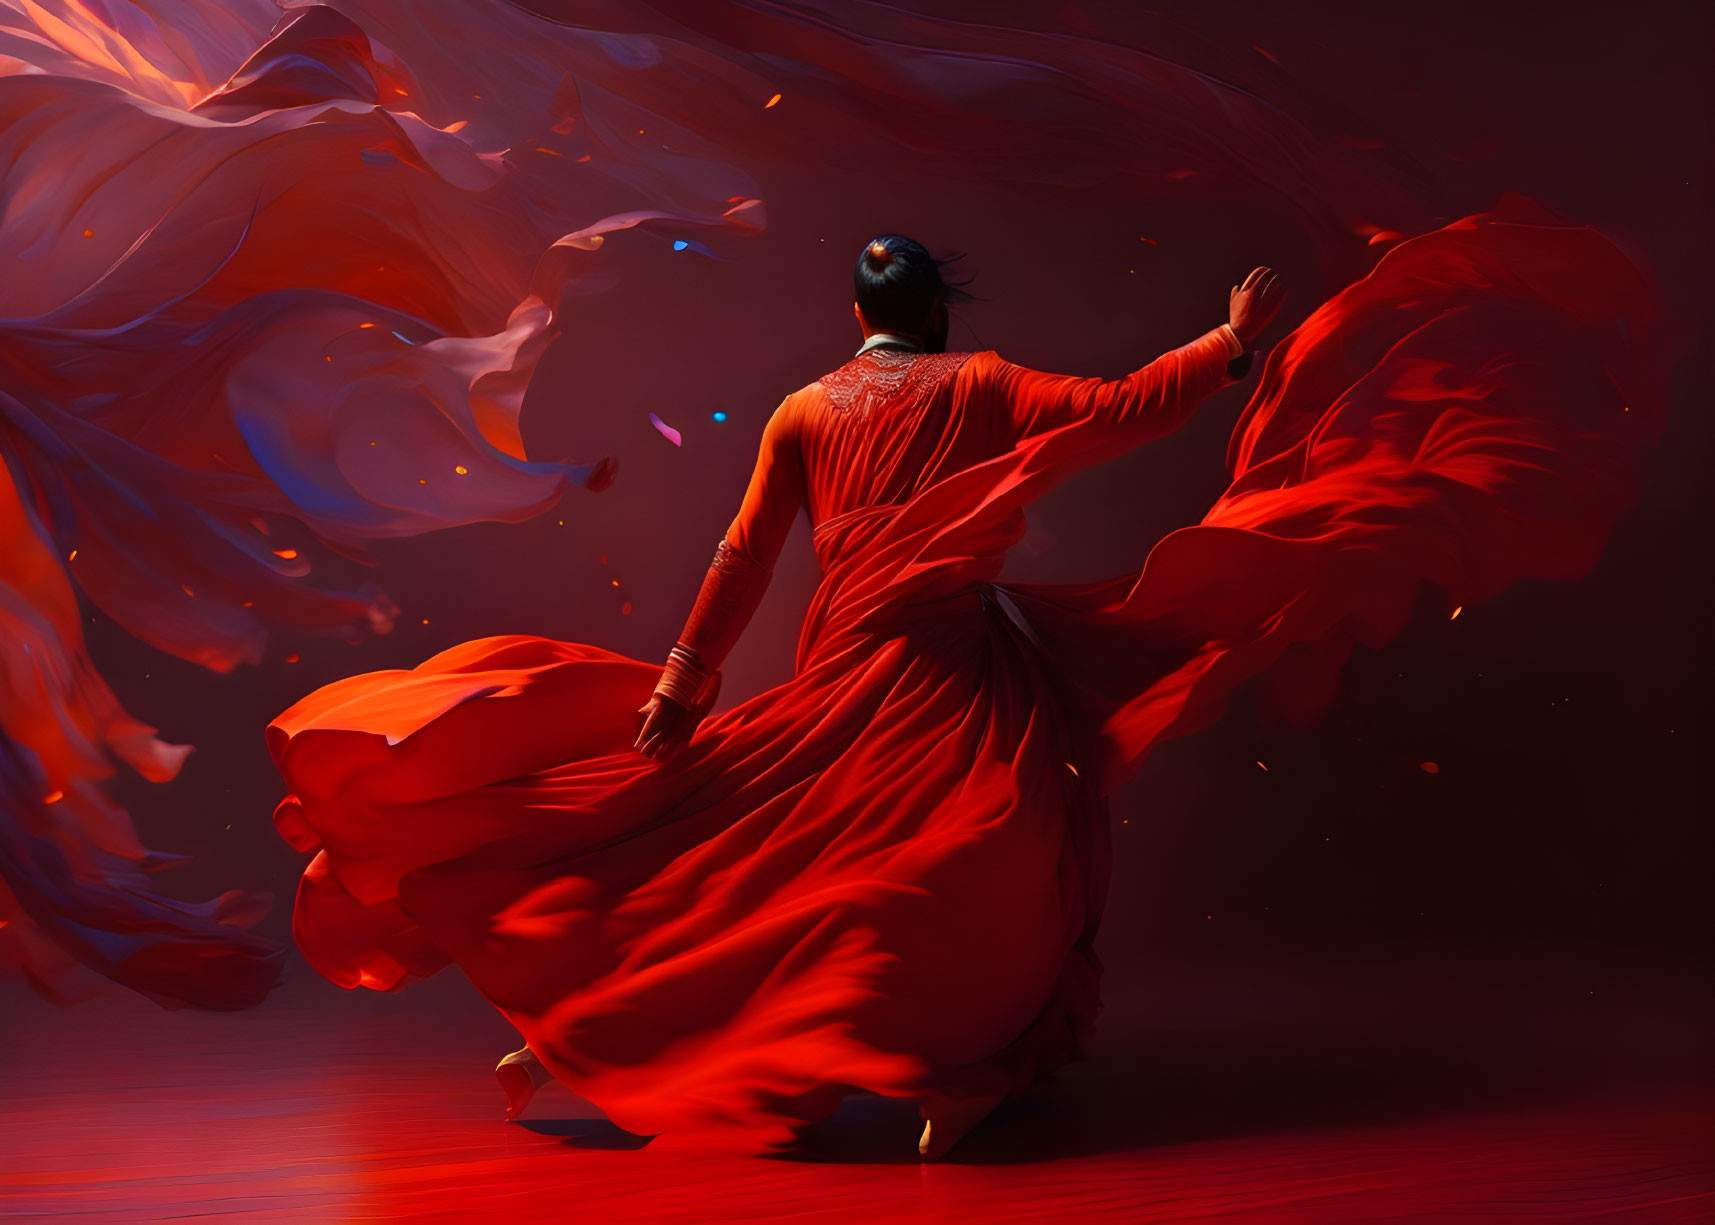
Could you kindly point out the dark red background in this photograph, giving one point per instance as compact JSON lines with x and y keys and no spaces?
{"x":1564,"y":824}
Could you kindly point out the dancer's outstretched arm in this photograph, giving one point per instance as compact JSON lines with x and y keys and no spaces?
{"x":744,"y":562}
{"x":1114,"y":414}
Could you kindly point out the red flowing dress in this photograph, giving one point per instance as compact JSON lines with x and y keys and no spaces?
{"x":886,"y":874}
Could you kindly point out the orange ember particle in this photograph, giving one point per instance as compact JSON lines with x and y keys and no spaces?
{"x":455,"y":127}
{"x":53,"y":797}
{"x":250,"y":604}
{"x":89,"y":233}
{"x":422,"y":480}
{"x":771,"y":102}
{"x":1456,"y":613}
{"x":398,"y":89}
{"x":462,"y":470}
{"x":1264,"y":768}
{"x":615,"y":582}
{"x":186,"y":590}
{"x":327,"y":357}
{"x":288,"y":554}
{"x":72,"y":556}
{"x":584,"y":158}
{"x":292,"y":658}
{"x":550,"y":152}
{"x":366,"y":325}
{"x":1150,"y":241}
{"x":1429,"y":767}
{"x":1072,"y":768}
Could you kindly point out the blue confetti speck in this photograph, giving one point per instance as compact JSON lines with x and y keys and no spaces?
{"x":679,"y":244}
{"x":719,"y":416}
{"x":403,"y":338}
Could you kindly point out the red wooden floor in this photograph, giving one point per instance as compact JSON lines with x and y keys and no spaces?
{"x":1254,"y":1093}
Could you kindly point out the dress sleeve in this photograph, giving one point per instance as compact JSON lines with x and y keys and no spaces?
{"x":1118,"y":413}
{"x":743,"y":562}
{"x":775,"y":493}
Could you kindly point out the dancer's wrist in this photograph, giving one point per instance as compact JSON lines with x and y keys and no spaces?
{"x":684,"y":678}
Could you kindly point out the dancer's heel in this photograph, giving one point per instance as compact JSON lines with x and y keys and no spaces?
{"x":520,"y":1074}
{"x":946,"y":1122}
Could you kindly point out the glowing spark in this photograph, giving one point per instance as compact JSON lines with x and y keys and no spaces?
{"x":1073,"y":769}
{"x":89,"y":233}
{"x":1264,"y":768}
{"x":462,"y":470}
{"x":292,"y":658}
{"x":1456,"y":613}
{"x":288,"y":554}
{"x":53,"y":797}
{"x":72,"y":556}
{"x":771,"y":102}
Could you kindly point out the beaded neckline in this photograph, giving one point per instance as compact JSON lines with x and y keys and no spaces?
{"x":882,"y":376}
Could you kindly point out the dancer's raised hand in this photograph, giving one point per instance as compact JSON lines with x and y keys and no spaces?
{"x":1252,"y":305}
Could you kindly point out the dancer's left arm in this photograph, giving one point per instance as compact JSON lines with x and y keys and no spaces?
{"x":743,"y":563}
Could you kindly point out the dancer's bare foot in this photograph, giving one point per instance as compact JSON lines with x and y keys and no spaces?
{"x":946,"y":1122}
{"x":520,"y":1075}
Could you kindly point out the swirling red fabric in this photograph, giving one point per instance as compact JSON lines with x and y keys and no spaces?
{"x":261,"y":310}
{"x":886,"y":873}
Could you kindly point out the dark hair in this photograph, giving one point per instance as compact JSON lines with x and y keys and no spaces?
{"x":898,"y":283}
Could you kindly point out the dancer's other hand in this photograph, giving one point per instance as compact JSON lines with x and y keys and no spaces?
{"x":1253,"y":305}
{"x":667,"y":728}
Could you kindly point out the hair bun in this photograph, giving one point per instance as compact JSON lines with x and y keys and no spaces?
{"x":878,"y":254}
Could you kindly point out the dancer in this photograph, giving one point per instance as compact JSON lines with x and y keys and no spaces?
{"x":886,"y":874}
{"x":883,"y":875}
